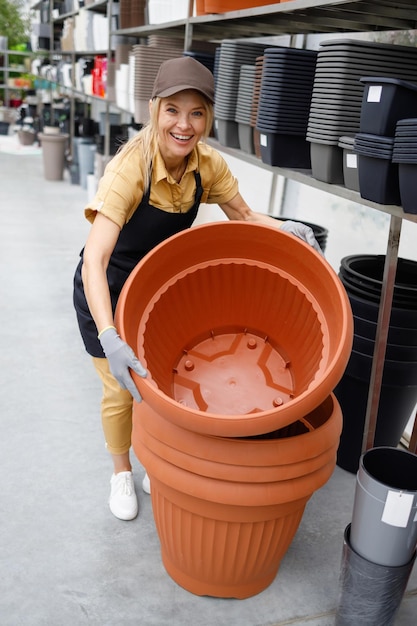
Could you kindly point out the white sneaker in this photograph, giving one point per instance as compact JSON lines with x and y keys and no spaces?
{"x":123,"y":501}
{"x":146,"y":484}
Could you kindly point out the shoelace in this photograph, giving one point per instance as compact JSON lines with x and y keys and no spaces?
{"x":124,"y":485}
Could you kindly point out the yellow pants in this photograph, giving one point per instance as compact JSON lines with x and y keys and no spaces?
{"x":116,"y":410}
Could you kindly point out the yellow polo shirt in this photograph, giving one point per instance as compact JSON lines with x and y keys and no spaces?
{"x":120,"y":190}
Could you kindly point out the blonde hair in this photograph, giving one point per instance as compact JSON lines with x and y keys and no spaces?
{"x":147,"y":138}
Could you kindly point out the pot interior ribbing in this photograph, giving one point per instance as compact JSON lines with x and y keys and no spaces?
{"x":238,"y":338}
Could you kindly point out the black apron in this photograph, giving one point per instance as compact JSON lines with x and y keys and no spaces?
{"x":145,"y":230}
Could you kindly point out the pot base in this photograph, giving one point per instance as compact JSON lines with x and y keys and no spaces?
{"x":227,"y":553}
{"x":240,"y":592}
{"x":233,"y":373}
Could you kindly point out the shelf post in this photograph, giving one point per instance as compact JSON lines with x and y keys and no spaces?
{"x":188,"y":35}
{"x":384,"y":314}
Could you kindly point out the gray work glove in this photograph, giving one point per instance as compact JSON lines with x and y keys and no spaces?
{"x":302,"y":232}
{"x":121,"y":357}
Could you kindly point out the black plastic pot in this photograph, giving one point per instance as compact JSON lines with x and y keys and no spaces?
{"x":362,"y":277}
{"x":281,"y":150}
{"x":400,"y":317}
{"x":366,"y":271}
{"x":394,"y":352}
{"x":397,"y":401}
{"x":385,"y":101}
{"x":378,"y":180}
{"x":370,"y":594}
{"x":400,"y":336}
{"x":407,"y":175}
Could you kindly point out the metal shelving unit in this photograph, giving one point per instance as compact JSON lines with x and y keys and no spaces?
{"x":295,"y":17}
{"x":103,"y":7}
{"x":7,"y":72}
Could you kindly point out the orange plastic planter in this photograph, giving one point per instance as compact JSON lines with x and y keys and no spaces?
{"x":227,"y":509}
{"x":223,"y":6}
{"x":243,"y":328}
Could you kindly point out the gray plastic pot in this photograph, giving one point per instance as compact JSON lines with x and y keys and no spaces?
{"x":384,"y":522}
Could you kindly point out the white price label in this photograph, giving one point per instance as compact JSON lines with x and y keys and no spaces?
{"x":374,"y":93}
{"x":397,"y":509}
{"x":352,"y":161}
{"x":263,"y":140}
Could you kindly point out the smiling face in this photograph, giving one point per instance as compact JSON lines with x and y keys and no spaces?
{"x":182,"y":122}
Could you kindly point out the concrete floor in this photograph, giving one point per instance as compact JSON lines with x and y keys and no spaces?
{"x":64,"y":559}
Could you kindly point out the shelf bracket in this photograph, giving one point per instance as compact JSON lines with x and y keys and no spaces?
{"x":272,"y":194}
{"x":384,"y":314}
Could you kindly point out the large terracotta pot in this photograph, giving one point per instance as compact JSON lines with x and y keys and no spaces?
{"x":243,"y":328}
{"x":227,"y":509}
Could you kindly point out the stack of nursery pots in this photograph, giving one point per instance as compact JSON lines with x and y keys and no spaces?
{"x":244,"y":108}
{"x":380,"y":544}
{"x":233,"y":54}
{"x":362,"y":278}
{"x":337,"y":99}
{"x":244,"y":330}
{"x":284,"y":105}
{"x":405,"y":155}
{"x":385,"y":102}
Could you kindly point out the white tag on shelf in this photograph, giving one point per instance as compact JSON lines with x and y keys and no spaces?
{"x":398,"y":506}
{"x":352,"y":161}
{"x":263,"y":140}
{"x":374,"y":93}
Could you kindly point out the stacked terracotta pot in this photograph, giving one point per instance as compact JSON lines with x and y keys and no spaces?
{"x":238,"y":426}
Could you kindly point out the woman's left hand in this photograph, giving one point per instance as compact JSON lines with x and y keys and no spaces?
{"x":302,"y":231}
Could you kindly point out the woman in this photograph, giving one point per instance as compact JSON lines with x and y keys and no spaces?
{"x":150,"y":190}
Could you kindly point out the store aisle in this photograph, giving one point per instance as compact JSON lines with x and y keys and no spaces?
{"x":64,"y":559}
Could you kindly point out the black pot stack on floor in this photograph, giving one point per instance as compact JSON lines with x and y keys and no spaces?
{"x":284,"y":105}
{"x":362,"y":277}
{"x":405,"y":155}
{"x":337,"y":95}
{"x":233,"y":54}
{"x":244,"y":108}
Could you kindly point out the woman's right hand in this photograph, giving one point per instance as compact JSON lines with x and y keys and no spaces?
{"x":121,"y":359}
